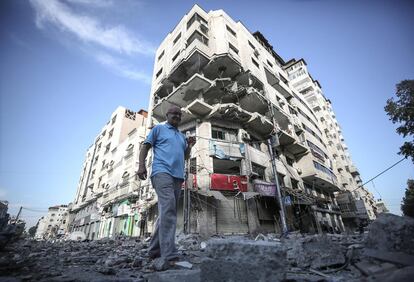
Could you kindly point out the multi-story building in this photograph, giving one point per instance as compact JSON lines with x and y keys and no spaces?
{"x":53,"y":224}
{"x":236,"y":92}
{"x":106,"y":201}
{"x":381,"y":207}
{"x":355,"y":201}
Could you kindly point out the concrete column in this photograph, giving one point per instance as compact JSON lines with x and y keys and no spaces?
{"x":204,"y":161}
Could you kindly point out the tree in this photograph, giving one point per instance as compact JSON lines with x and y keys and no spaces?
{"x":401,"y":112}
{"x":407,"y":206}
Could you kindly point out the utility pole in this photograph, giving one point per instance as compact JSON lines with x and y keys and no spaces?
{"x":18,"y":214}
{"x":270,"y":143}
{"x":279,"y":194}
{"x":186,"y":200}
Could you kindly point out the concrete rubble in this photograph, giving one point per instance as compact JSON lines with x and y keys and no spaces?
{"x":385,"y":253}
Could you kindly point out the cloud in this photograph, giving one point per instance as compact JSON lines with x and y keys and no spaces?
{"x":121,"y":68}
{"x":89,"y":29}
{"x":93,"y":3}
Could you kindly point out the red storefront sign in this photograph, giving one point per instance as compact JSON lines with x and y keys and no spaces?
{"x":228,"y":182}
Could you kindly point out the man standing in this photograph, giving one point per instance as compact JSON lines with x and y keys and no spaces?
{"x":170,"y":149}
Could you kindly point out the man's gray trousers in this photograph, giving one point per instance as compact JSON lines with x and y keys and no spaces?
{"x":168,"y":190}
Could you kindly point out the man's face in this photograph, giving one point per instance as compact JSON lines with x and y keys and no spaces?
{"x":174,"y":116}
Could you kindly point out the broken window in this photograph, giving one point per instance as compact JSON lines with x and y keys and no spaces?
{"x":255,"y":143}
{"x":197,"y":35}
{"x":129,"y":114}
{"x":194,"y":18}
{"x":226,"y":166}
{"x":232,"y":32}
{"x":259,"y":171}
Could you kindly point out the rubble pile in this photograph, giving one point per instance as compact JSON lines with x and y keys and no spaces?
{"x":385,"y":253}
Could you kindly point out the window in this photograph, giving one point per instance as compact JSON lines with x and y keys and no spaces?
{"x":177,"y":38}
{"x":99,"y":146}
{"x":251,"y":45}
{"x":259,"y":171}
{"x":107,"y":148}
{"x":234,"y":49}
{"x":218,"y":134}
{"x":197,"y":35}
{"x":176,"y":56}
{"x":232,"y":32}
{"x":161,"y":55}
{"x":290,"y":161}
{"x":324,"y":169}
{"x":158,"y":73}
{"x":194,"y":18}
{"x":255,"y":63}
{"x":111,"y":133}
{"x":269,"y":63}
{"x":113,"y":119}
{"x":294,"y":183}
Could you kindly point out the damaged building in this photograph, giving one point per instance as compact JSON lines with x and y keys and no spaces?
{"x":236,"y":92}
{"x":107,"y":200}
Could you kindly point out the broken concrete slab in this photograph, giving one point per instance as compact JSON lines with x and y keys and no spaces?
{"x":391,"y":233}
{"x":174,"y":276}
{"x":315,"y":251}
{"x":235,"y":259}
{"x":394,"y":257}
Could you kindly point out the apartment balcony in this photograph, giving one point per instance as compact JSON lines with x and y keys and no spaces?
{"x":221,"y":66}
{"x":193,"y":60}
{"x":254,"y":101}
{"x":297,"y":124}
{"x":257,"y":156}
{"x":353,"y":170}
{"x":348,"y":214}
{"x":322,"y":180}
{"x":122,"y":191}
{"x":182,"y":95}
{"x":283,"y":89}
{"x":225,"y":149}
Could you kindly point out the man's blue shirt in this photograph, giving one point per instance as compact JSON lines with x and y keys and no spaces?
{"x":168,"y":145}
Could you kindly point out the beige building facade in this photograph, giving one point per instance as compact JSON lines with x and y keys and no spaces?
{"x":107,"y":199}
{"x":236,"y":92}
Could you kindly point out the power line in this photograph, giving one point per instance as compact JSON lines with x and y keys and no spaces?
{"x":382,"y":172}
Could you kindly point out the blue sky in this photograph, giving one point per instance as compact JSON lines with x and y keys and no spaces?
{"x":66,"y":65}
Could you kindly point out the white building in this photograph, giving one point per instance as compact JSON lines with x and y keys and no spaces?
{"x":106,"y":202}
{"x":53,"y":224}
{"x":235,"y":92}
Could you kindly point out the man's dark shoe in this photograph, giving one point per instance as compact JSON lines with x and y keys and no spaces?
{"x":161,"y":264}
{"x":153,"y":255}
